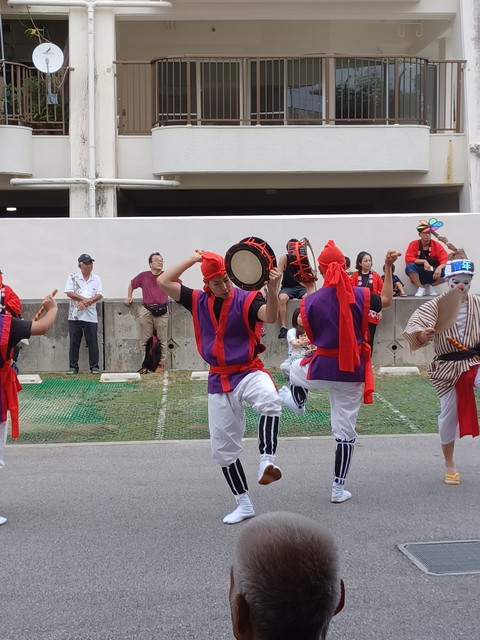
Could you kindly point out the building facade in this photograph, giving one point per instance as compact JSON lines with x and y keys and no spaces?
{"x":234,"y":108}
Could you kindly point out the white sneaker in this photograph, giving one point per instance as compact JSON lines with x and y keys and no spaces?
{"x":420,"y":292}
{"x":287,"y":399}
{"x":267,"y":471}
{"x":339,"y":494}
{"x":431,"y":290}
{"x":2,"y":520}
{"x":243,"y":511}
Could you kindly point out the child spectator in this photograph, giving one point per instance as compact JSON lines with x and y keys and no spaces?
{"x":398,"y":289}
{"x":298,"y":343}
{"x":347,"y":265}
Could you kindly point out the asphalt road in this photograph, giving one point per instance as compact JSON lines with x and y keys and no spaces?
{"x":126,"y":541}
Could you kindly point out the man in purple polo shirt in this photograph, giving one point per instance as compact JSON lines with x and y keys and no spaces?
{"x":154,"y":316}
{"x":228,"y":322}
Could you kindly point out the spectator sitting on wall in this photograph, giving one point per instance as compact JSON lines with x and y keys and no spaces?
{"x":425,"y":262}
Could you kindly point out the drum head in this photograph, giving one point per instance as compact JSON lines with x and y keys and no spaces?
{"x":248,"y":262}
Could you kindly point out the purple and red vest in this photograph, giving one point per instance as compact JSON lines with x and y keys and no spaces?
{"x":228,"y":344}
{"x":319,"y":312}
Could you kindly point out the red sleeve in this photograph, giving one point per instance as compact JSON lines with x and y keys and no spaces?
{"x":354,"y":278}
{"x":12,"y":301}
{"x":377,"y":283}
{"x":411,"y":252}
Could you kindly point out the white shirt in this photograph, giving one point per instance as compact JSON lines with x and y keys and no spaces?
{"x":86,"y":288}
{"x":291,"y":335}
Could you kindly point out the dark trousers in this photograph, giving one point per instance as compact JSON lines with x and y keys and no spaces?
{"x":77,"y":329}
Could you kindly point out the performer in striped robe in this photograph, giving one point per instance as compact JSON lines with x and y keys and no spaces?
{"x":454,"y":370}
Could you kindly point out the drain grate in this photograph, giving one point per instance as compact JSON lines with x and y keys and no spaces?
{"x":453,"y":557}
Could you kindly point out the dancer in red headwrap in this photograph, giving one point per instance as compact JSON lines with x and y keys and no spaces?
{"x":227,"y":323}
{"x":336,"y":320}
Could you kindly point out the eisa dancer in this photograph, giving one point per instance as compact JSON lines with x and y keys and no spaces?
{"x":454,"y":370}
{"x":227,"y":323}
{"x":336,"y":321}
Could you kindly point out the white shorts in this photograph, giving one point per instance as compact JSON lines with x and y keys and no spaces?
{"x":448,"y":419}
{"x":345,"y":400}
{"x":226,"y":414}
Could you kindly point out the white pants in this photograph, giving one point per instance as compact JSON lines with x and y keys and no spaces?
{"x":448,"y":419}
{"x":345,"y":400}
{"x":3,"y":439}
{"x":226,"y":414}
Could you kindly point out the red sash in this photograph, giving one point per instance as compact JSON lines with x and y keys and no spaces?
{"x":466,"y":405}
{"x":9,"y":384}
{"x":229,"y":369}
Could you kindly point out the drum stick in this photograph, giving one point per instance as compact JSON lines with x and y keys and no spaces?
{"x":460,"y":346}
{"x":42,"y":308}
{"x":445,"y":241}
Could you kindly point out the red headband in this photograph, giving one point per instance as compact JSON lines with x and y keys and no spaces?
{"x":331,"y":253}
{"x":212,"y":265}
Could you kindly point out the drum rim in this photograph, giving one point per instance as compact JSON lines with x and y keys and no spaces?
{"x":255,"y":249}
{"x":307,"y":277}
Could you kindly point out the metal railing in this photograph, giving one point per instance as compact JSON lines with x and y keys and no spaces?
{"x":29,"y":97}
{"x":314,"y":90}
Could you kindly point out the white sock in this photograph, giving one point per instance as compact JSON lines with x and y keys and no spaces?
{"x":339,"y":494}
{"x":243,"y":511}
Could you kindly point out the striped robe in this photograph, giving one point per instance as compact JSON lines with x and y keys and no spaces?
{"x":443,"y":374}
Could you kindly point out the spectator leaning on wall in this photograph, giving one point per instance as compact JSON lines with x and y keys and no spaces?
{"x":154,"y":316}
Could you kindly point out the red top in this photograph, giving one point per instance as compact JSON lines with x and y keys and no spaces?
{"x":377,"y":282}
{"x":436,"y":251}
{"x":151,"y":294}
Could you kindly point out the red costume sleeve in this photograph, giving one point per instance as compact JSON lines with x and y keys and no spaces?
{"x":12,"y":301}
{"x":411,"y":252}
{"x":377,"y":283}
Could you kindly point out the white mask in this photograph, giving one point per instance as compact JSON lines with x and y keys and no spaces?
{"x":460,"y":281}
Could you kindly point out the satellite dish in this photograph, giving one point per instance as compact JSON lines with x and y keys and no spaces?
{"x":47,"y":57}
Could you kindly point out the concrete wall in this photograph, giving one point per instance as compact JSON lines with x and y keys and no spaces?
{"x":120,"y":348}
{"x":42,"y":252}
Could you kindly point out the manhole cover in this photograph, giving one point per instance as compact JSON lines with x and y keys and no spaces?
{"x":453,"y":557}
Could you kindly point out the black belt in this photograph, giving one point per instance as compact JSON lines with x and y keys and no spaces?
{"x":461,"y":355}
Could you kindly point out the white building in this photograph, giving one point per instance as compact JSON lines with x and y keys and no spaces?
{"x":229,"y":107}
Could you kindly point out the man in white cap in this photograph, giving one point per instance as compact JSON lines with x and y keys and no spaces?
{"x":454,"y":371}
{"x":84,"y":289}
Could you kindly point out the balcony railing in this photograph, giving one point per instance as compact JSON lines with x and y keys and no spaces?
{"x":33,"y":99}
{"x":323,"y":90}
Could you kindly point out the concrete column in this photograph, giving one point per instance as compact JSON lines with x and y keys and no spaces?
{"x":78,"y":124}
{"x":105,"y":110}
{"x":470,"y":14}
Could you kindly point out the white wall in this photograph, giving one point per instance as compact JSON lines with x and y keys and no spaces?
{"x":41,"y":253}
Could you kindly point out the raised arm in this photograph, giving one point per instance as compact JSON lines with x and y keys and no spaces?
{"x":39,"y":327}
{"x":168,"y":280}
{"x":269,"y":312}
{"x":387,"y":289}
